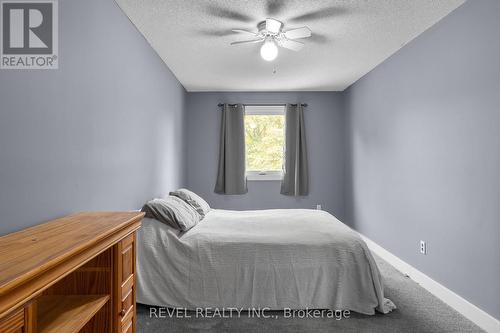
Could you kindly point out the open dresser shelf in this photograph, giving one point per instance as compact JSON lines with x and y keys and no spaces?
{"x":74,"y":274}
{"x":67,"y":313}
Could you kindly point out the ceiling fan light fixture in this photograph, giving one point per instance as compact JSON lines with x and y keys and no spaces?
{"x":271,"y":33}
{"x":269,"y":50}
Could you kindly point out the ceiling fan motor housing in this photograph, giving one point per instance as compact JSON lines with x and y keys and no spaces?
{"x":270,"y":27}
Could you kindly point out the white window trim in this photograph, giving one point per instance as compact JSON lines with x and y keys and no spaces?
{"x":264,"y":175}
{"x":265,"y":110}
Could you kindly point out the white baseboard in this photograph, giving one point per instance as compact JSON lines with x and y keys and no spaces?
{"x":467,"y":309}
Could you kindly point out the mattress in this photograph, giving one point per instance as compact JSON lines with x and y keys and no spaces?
{"x":274,"y":259}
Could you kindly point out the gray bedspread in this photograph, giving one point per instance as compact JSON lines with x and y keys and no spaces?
{"x":273,"y":259}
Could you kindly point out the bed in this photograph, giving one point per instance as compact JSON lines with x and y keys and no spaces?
{"x":274,"y":259}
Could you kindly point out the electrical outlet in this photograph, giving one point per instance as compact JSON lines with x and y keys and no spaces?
{"x":423,"y":247}
{"x":318,"y":207}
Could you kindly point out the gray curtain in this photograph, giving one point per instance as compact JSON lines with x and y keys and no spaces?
{"x":295,"y":174}
{"x":231,"y":178}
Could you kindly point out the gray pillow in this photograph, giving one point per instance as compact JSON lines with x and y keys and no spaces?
{"x":194,"y":200}
{"x":187,"y":199}
{"x":173,"y":212}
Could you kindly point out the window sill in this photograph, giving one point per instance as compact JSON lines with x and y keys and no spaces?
{"x":264,"y":177}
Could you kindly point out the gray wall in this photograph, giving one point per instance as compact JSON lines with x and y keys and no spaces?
{"x":325,"y":139}
{"x":103,"y":132}
{"x":424,"y":137}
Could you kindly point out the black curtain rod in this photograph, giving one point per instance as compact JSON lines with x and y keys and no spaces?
{"x":263,"y":104}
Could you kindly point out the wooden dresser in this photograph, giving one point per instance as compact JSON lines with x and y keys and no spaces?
{"x":74,"y":274}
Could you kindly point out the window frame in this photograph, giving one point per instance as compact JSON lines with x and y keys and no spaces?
{"x":265,"y":110}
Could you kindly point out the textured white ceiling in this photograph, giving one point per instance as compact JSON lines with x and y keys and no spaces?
{"x":349,"y":39}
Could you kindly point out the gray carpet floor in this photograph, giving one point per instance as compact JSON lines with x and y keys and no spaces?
{"x":418,"y":311}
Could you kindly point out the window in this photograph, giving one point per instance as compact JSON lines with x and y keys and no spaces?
{"x":264,"y":141}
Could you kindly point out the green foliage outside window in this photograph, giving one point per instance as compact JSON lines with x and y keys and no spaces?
{"x":264,"y":141}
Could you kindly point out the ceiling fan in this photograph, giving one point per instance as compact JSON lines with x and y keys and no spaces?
{"x":271,"y":33}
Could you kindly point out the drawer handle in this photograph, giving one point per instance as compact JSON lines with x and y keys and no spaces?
{"x":122,"y":312}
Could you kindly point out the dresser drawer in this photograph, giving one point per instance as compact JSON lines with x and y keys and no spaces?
{"x":127,"y":258}
{"x":128,"y":326}
{"x":127,"y":302}
{"x":125,"y":277}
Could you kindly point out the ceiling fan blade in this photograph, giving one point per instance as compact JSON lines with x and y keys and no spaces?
{"x":303,"y":32}
{"x":247,"y":41}
{"x":241,"y":31}
{"x":292,"y":45}
{"x":273,"y":26}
